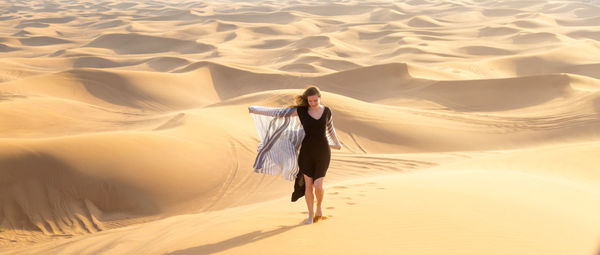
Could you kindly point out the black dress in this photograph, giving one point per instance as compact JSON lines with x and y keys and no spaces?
{"x":315,"y":154}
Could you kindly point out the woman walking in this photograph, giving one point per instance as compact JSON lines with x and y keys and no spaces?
{"x":281,"y":134}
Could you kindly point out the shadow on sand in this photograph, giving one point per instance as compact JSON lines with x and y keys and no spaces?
{"x":234,"y":241}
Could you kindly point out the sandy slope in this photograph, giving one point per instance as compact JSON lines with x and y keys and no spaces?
{"x":469,"y":127}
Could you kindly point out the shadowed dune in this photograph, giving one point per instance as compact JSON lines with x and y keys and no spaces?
{"x":423,"y":22}
{"x":252,"y":17}
{"x":535,"y":38}
{"x":42,"y":41}
{"x":141,"y":44}
{"x":6,"y":48}
{"x":484,"y":50}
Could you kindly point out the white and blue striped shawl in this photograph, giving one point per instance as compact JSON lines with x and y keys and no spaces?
{"x":280,"y":136}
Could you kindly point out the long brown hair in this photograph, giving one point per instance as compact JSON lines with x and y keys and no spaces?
{"x":302,"y":100}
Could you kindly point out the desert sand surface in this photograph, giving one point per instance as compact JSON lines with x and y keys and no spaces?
{"x":469,"y":127}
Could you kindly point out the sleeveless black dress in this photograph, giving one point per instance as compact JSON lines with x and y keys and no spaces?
{"x":315,"y":154}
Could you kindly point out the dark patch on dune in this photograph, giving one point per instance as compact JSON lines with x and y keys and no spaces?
{"x":124,"y":5}
{"x":225,"y":27}
{"x":265,"y":30}
{"x":498,"y":12}
{"x":272,"y":44}
{"x":252,"y":17}
{"x":230,"y":37}
{"x":423,"y":22}
{"x":589,"y":34}
{"x":492,"y":94}
{"x":60,"y":20}
{"x":165,"y":64}
{"x":497,"y":31}
{"x":594,"y":21}
{"x":248,"y":9}
{"x":300,"y":68}
{"x":15,"y":8}
{"x":172,"y":15}
{"x":94,"y":62}
{"x":42,"y":41}
{"x":3,"y":18}
{"x":110,"y":24}
{"x":373,"y":35}
{"x":331,"y":9}
{"x":384,"y":15}
{"x":535,"y":38}
{"x":313,"y":42}
{"x":6,"y":48}
{"x":143,"y":44}
{"x":484,"y":51}
{"x":32,"y":24}
{"x":21,"y":33}
{"x":57,"y":53}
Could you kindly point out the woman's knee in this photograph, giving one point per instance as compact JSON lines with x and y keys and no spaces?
{"x":308,"y":186}
{"x":318,"y":186}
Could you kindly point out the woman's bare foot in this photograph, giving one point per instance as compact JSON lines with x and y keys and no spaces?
{"x":318,"y":215}
{"x":309,"y":220}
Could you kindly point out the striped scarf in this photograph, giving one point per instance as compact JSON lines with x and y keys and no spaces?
{"x":280,"y":136}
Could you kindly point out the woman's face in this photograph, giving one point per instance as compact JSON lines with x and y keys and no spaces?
{"x":314,"y":100}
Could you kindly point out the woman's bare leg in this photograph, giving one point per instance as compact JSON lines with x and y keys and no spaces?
{"x":310,"y":200}
{"x":319,"y":191}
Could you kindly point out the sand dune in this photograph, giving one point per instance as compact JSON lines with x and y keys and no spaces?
{"x":484,"y":50}
{"x":469,"y":127}
{"x":497,"y":31}
{"x":423,"y":22}
{"x":6,"y":48}
{"x":535,"y":38}
{"x":256,"y":17}
{"x":140,"y":44}
{"x":42,"y":41}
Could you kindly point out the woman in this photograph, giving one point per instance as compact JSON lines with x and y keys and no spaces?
{"x":280,"y":135}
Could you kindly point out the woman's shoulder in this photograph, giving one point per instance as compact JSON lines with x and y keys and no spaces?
{"x":327,"y":111}
{"x":300,"y":109}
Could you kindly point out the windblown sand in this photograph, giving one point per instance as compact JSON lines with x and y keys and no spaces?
{"x":469,"y":127}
